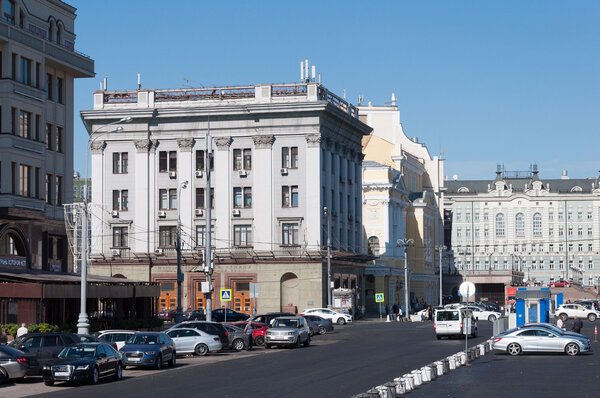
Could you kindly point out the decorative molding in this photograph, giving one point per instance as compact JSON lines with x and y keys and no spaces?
{"x":155,"y":144}
{"x":185,"y":144}
{"x":314,"y":140}
{"x":142,"y":146}
{"x":263,"y":141}
{"x":223,"y":143}
{"x":98,"y":146}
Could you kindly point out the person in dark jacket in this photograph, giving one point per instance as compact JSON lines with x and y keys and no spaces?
{"x":577,"y":325}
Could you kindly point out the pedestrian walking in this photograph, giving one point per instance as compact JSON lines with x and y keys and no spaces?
{"x":429,"y":313}
{"x":577,"y":325}
{"x":22,"y":330}
{"x":560,"y":324}
{"x":400,"y":316}
{"x":248,"y":332}
{"x":394,"y":311}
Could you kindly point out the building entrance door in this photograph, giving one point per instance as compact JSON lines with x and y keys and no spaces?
{"x":241,"y":297}
{"x":168,"y":296}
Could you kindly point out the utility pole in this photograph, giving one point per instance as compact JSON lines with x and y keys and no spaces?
{"x":440,"y":248}
{"x":405,"y":243}
{"x":327,"y":215}
{"x":179,"y":313}
{"x":208,"y":260}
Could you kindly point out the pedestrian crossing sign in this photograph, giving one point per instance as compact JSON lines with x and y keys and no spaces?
{"x":379,"y":297}
{"x":225,"y":294}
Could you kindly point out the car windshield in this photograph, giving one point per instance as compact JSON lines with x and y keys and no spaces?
{"x":447,"y":316}
{"x":285,"y":323}
{"x":77,"y":352}
{"x":143,"y":339}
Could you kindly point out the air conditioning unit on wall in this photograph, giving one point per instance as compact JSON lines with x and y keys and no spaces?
{"x":243,"y":173}
{"x":235,"y":212}
{"x":162,"y":214}
{"x":199,"y":212}
{"x":199,"y":173}
{"x":115,"y":213}
{"x":172,"y":174}
{"x":284,"y":171}
{"x":116,"y":252}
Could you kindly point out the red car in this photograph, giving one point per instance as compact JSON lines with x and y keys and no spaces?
{"x":258,"y":331}
{"x":558,"y":284}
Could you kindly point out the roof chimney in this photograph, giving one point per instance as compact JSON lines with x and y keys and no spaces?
{"x":393,"y":99}
{"x":565,"y":176}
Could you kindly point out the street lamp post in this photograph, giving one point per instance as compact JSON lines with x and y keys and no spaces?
{"x":405,"y":243}
{"x":83,"y":321}
{"x":328,"y":216}
{"x":440,"y":248}
{"x":179,"y":313}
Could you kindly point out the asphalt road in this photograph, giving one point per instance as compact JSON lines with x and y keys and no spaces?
{"x":351,"y":360}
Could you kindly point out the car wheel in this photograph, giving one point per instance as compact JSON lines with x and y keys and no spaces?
{"x":513,"y":349}
{"x":563,"y":316}
{"x":95,"y":376}
{"x":322,"y":330}
{"x":474,"y":334}
{"x":592,"y":317}
{"x":438,"y":336}
{"x":49,"y":382}
{"x":238,"y":344}
{"x":341,"y":321}
{"x":492,"y":318}
{"x":173,"y":360}
{"x":119,"y":372}
{"x":297,"y":345}
{"x":311,"y":332}
{"x":3,"y":376}
{"x":201,"y":350}
{"x":158,"y":362}
{"x":260,"y":340}
{"x":572,"y":349}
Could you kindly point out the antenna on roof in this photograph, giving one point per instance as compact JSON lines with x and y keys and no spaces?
{"x":306,"y":74}
{"x":105,"y":82}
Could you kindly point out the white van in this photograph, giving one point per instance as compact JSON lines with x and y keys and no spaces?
{"x":449,"y":322}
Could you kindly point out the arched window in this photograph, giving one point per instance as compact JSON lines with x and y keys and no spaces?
{"x":499,"y":224}
{"x":374,"y":246}
{"x":59,"y":34}
{"x":537,"y":224}
{"x":520,"y":224}
{"x":51,"y":31}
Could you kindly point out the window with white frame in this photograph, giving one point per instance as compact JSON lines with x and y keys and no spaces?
{"x":201,"y":235}
{"x":499,"y":224}
{"x":520,"y":224}
{"x":289,"y":234}
{"x":537,"y":225}
{"x":120,"y":237}
{"x":167,"y":236}
{"x":289,"y":157}
{"x":242,"y":235}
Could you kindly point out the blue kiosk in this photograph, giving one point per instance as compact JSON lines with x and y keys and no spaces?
{"x":533,"y":305}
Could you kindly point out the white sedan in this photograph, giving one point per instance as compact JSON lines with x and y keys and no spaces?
{"x":194,"y":341}
{"x":570,"y":310}
{"x":336,"y":317}
{"x":481,"y":315}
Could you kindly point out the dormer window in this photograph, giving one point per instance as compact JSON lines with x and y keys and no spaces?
{"x":576,"y":188}
{"x":463,"y":190}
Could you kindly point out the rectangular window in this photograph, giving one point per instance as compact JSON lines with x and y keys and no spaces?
{"x":294,"y":157}
{"x":163,"y":163}
{"x":59,"y":188}
{"x":25,"y":181}
{"x":59,"y":90}
{"x":237,"y":197}
{"x":120,"y":162}
{"x":120,"y":238}
{"x":173,"y":161}
{"x":200,"y":198}
{"x":124,"y":200}
{"x":285,"y":156}
{"x":116,"y":199}
{"x":172,"y":199}
{"x":124,"y":162}
{"x":285,"y":196}
{"x":49,"y":85}
{"x":49,"y":136}
{"x":163,"y":200}
{"x":289,"y":234}
{"x":199,"y":160}
{"x":247,"y":197}
{"x":49,"y":189}
{"x":294,"y":194}
{"x":9,"y":11}
{"x":59,"y":139}
{"x":25,"y":124}
{"x":167,"y":236}
{"x":242,"y":197}
{"x":116,"y":163}
{"x":237,"y":159}
{"x":242,"y":235}
{"x":201,"y":235}
{"x":37,"y":128}
{"x":37,"y":182}
{"x":247,"y":159}
{"x":26,"y":71}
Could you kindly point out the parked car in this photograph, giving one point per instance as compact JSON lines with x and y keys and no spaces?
{"x":269,"y":317}
{"x":236,"y":338}
{"x":13,"y":364}
{"x":167,"y":315}
{"x":228,"y":315}
{"x":258,"y":331}
{"x":288,"y":331}
{"x":554,"y":328}
{"x":318,"y":324}
{"x":43,"y":348}
{"x":559,"y":284}
{"x":482,"y":315}
{"x":149,"y":349}
{"x":84,"y":362}
{"x":452,"y":321}
{"x":209,"y":327}
{"x":566,"y":311}
{"x":588,"y":303}
{"x":538,"y":339}
{"x":336,"y":317}
{"x":194,"y":341}
{"x":194,"y":315}
{"x":116,"y":337}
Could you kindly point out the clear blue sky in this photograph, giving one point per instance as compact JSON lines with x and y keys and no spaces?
{"x":485,"y":82}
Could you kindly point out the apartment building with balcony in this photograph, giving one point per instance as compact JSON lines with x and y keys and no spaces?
{"x":281,"y":153}
{"x":520,"y":228}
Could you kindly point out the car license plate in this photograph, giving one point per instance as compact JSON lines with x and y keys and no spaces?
{"x":62,"y":374}
{"x":133,"y":359}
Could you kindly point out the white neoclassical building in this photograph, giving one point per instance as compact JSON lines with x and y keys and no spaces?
{"x":521,"y":227}
{"x":281,"y":154}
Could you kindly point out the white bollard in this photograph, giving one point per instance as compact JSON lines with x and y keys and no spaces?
{"x":481,"y":349}
{"x":426,"y":374}
{"x":451,"y":363}
{"x":409,"y":382}
{"x":400,"y":385}
{"x":463,"y":358}
{"x":386,"y":392}
{"x":439,"y":367}
{"x":418,"y":378}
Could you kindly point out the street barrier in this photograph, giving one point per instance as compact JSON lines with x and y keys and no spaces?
{"x":400,"y":385}
{"x":482,"y":350}
{"x":409,"y":382}
{"x":440,"y":368}
{"x":373,"y":393}
{"x":426,"y":374}
{"x":417,"y":377}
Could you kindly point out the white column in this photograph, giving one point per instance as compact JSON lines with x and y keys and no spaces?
{"x":100,"y":230}
{"x":222,"y":181}
{"x":185,"y":167}
{"x":314,"y":206}
{"x":139,"y":198}
{"x":262,"y":193}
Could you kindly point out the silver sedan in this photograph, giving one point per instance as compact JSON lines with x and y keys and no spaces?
{"x":538,"y":339}
{"x":13,"y":364}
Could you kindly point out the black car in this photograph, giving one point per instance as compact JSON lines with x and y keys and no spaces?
{"x":213,"y":328}
{"x":43,"y":348}
{"x":194,"y":315}
{"x":269,"y":316}
{"x":228,"y":315}
{"x":84,"y":362}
